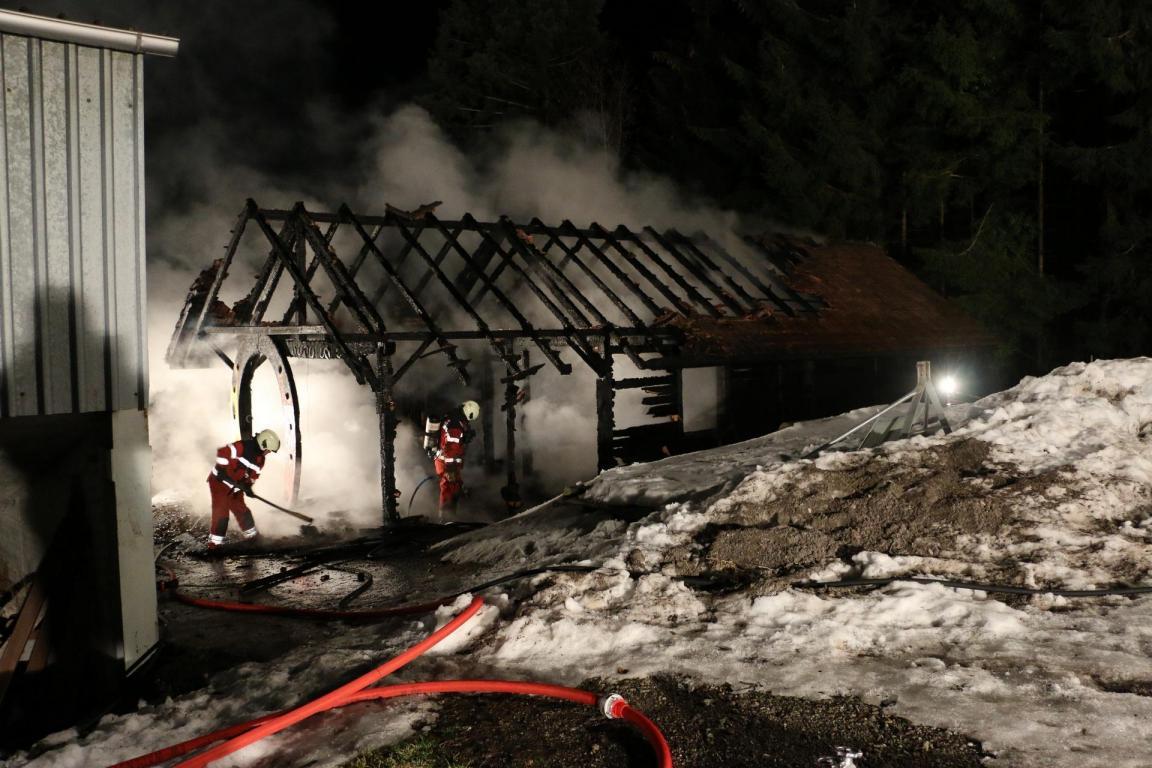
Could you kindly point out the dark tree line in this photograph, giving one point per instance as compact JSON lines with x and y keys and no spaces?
{"x":1001,"y":148}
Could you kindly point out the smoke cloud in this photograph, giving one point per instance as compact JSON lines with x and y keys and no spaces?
{"x":527,"y":171}
{"x":246,"y":110}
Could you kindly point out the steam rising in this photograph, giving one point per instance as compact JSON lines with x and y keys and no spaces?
{"x":531,"y":172}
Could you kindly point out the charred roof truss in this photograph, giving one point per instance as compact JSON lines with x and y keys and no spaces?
{"x":343,"y":285}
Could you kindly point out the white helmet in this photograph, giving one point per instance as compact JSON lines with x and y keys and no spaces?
{"x":471,"y":409}
{"x":268,"y":440}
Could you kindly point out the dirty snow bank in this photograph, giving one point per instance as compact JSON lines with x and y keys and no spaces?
{"x":1042,"y":682}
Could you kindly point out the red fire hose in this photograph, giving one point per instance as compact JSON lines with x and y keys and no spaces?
{"x":239,"y":736}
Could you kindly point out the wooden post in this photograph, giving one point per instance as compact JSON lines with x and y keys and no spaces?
{"x":298,"y":298}
{"x":605,"y":416}
{"x":526,"y":450}
{"x":487,"y":415}
{"x":510,"y":392}
{"x":385,"y":409}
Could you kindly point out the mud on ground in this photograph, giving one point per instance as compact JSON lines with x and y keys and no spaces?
{"x":914,"y":505}
{"x":706,"y":727}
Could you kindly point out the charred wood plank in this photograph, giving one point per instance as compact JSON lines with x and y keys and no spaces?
{"x":356,"y":363}
{"x":229,"y":254}
{"x":296,"y":308}
{"x":358,"y":262}
{"x":440,"y":255}
{"x":567,"y":228}
{"x":481,"y":326}
{"x":483,"y":254}
{"x":556,"y":278}
{"x":643,"y":382}
{"x":770,"y":293}
{"x":386,"y":410}
{"x":660,"y":410}
{"x":533,"y":259}
{"x":709,"y":264}
{"x":469,"y":277}
{"x":574,"y":342}
{"x":571,"y":256}
{"x":244,"y":310}
{"x":354,"y":298}
{"x":262,"y":305}
{"x":605,"y":414}
{"x":394,"y":275}
{"x":639,"y":266}
{"x":418,"y":354}
{"x":13,"y":648}
{"x":701,"y":275}
{"x":693,"y":292}
{"x":526,"y":326}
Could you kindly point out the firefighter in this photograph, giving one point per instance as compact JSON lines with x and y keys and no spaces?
{"x":237,"y":467}
{"x":446,"y":440}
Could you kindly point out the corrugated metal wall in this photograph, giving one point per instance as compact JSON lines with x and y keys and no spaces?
{"x":72,"y":289}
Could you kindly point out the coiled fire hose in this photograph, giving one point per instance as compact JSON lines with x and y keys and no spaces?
{"x":239,"y":736}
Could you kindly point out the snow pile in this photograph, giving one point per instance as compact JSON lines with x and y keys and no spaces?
{"x":1040,"y":682}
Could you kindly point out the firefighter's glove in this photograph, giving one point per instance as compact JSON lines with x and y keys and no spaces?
{"x":248,"y":490}
{"x":431,"y":453}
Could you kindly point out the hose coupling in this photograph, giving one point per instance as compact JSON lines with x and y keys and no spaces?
{"x":612,"y":705}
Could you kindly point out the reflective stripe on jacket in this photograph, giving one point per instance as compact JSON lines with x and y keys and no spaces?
{"x":455,"y":434}
{"x":238,"y":464}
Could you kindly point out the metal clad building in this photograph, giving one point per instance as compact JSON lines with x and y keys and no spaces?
{"x":72,"y":302}
{"x":75,"y":462}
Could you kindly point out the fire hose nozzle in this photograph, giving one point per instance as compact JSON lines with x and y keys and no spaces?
{"x":612,"y":705}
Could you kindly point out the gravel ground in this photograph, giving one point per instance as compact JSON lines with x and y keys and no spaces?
{"x":706,"y":726}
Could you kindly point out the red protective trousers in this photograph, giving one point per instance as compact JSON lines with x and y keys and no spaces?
{"x":225,"y":500}
{"x":451,"y":474}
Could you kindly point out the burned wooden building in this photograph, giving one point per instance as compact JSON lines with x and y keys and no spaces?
{"x":771,"y":329}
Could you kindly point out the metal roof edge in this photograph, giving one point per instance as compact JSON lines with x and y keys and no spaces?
{"x":17,"y":23}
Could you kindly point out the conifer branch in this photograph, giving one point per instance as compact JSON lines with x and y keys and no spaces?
{"x":979,"y":229}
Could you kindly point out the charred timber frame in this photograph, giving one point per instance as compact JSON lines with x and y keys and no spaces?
{"x":576,"y":280}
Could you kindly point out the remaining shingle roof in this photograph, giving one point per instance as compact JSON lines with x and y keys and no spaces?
{"x":873,"y":306}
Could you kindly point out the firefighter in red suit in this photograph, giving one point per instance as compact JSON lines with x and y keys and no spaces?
{"x":446,"y":441}
{"x":237,"y":467}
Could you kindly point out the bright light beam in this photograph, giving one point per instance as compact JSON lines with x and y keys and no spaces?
{"x":948,"y":385}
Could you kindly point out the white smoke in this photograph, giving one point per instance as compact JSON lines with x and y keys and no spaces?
{"x":528,"y":171}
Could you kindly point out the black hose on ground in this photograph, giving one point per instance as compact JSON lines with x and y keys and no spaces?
{"x":416,"y":490}
{"x":1007,"y":589}
{"x":365,"y":580}
{"x":172,"y":584}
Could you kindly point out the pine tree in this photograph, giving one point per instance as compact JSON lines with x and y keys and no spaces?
{"x":1103,"y":143}
{"x":969,"y":160}
{"x":768,"y":104}
{"x":548,"y":60}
